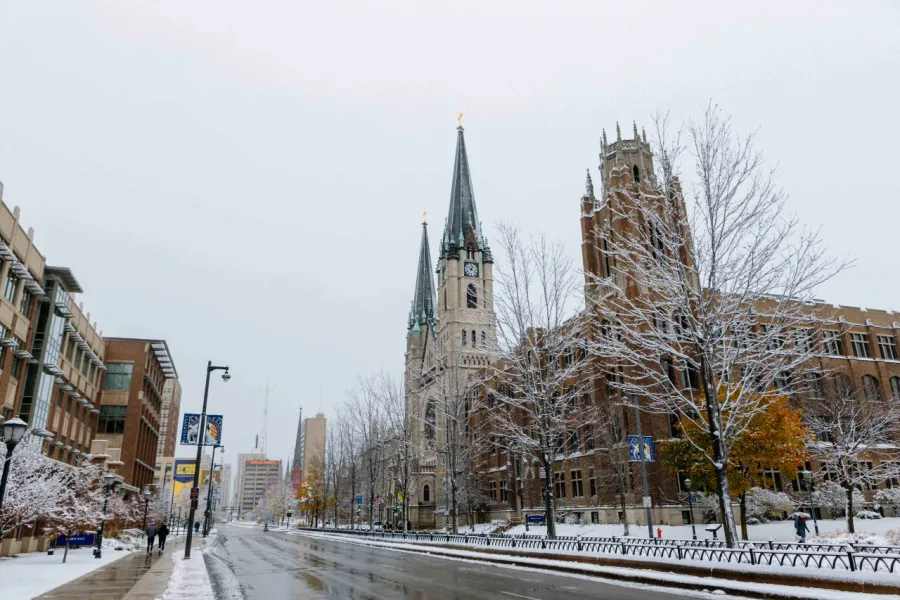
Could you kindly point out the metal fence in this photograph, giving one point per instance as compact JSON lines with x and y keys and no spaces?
{"x":851,"y":557}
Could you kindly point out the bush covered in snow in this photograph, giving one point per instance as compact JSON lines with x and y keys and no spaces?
{"x":867,"y":514}
{"x":890,"y":498}
{"x":764,"y":505}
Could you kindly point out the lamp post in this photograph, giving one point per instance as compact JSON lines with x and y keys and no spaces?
{"x":195,"y":489}
{"x":207,"y":514}
{"x":146,"y":505}
{"x":644,"y":459}
{"x":687,"y":486}
{"x":109,"y":482}
{"x":13,"y":430}
{"x":807,"y":476}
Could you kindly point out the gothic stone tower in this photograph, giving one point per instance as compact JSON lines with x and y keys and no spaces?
{"x":448,"y":342}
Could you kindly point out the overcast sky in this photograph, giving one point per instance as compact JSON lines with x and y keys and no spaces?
{"x":247,"y":179}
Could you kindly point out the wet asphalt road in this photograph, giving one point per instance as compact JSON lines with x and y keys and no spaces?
{"x":276,"y":566}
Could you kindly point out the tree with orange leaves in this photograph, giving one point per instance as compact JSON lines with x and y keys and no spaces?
{"x":775,"y":439}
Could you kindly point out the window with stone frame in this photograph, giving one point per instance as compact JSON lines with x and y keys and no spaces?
{"x":592,"y":483}
{"x":871,"y":388}
{"x":493,"y":491}
{"x":590,"y":442}
{"x":577,"y":484}
{"x":860,"y":344}
{"x":832,"y":342}
{"x":471,"y":296}
{"x":895,"y":388}
{"x":887,"y":345}
{"x":559,"y":485}
{"x":504,"y":493}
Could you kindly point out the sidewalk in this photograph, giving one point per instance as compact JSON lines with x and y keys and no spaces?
{"x":138,"y":576}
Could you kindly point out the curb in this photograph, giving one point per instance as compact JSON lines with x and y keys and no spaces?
{"x":805,"y":587}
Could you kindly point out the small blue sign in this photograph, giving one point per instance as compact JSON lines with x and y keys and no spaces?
{"x":693,"y":496}
{"x":634,"y":449}
{"x":81,"y":539}
{"x":359,"y":498}
{"x":190,"y":430}
{"x":535,"y":518}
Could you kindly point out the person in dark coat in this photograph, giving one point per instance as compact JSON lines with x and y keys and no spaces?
{"x":800,"y":526}
{"x":196,"y":526}
{"x":163,"y":533}
{"x":151,"y":532}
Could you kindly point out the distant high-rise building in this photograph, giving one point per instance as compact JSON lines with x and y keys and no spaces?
{"x":168,"y":418}
{"x":258,"y":475}
{"x":313,"y":442}
{"x":242,"y":458}
{"x":225,"y":497}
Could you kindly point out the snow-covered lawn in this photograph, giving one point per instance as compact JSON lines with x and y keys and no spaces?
{"x":30,"y":575}
{"x":779,"y":531}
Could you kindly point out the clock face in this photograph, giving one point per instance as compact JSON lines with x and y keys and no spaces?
{"x":470,"y":269}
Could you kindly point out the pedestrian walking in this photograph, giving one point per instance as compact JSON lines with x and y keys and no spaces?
{"x":151,"y":532}
{"x":800,"y":526}
{"x":196,"y":526}
{"x":163,"y":533}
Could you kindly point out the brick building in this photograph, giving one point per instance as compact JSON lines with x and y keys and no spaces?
{"x":857,"y":349}
{"x":131,"y":405}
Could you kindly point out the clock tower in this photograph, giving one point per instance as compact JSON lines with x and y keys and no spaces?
{"x":465,"y":325}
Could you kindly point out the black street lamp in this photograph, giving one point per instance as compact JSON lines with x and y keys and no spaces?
{"x":109,"y":483}
{"x":207,"y":514}
{"x":201,"y":437}
{"x":13,"y":430}
{"x":807,"y":476}
{"x":687,"y":486}
{"x":146,"y":505}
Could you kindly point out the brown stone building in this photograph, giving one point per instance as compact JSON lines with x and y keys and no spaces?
{"x":131,"y":406}
{"x":856,"y":347}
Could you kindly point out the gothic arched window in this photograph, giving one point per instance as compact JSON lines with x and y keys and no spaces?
{"x":637,"y":174}
{"x":871,"y":389}
{"x":473,"y":338}
{"x":471,"y":296}
{"x":464,"y":337}
{"x":483,"y":339}
{"x":426,"y":493}
{"x":430,"y":422}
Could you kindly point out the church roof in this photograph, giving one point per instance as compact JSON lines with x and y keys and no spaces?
{"x":422,"y":310}
{"x":462,"y":224}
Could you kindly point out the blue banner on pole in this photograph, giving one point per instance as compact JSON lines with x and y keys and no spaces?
{"x":190,"y":430}
{"x":359,"y":498}
{"x":634,"y":449}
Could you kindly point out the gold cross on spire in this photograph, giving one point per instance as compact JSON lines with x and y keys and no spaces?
{"x":459,"y":118}
{"x":424,"y":216}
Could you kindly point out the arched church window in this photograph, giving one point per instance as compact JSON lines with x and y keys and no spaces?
{"x":430,"y":422}
{"x":464,"y":337}
{"x":871,"y":388}
{"x":473,"y":338}
{"x":483,"y":339}
{"x":637,"y":174}
{"x":426,"y":493}
{"x":471,"y":296}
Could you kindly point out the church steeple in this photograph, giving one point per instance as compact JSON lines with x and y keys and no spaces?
{"x":462,"y":228}
{"x":422,"y":310}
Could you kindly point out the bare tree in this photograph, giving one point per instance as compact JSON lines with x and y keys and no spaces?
{"x":365,"y":412}
{"x":849,"y":425}
{"x":723,"y":307}
{"x":450,"y":399}
{"x":540,"y":369}
{"x":400,"y":424}
{"x":611,"y":454}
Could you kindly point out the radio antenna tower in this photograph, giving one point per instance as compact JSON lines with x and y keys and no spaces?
{"x":265,"y":432}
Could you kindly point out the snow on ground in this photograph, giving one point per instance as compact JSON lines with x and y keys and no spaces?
{"x":663,"y":578}
{"x":189,"y":579}
{"x":779,"y":531}
{"x":33,"y":574}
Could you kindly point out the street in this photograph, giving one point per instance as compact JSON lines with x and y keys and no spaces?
{"x":276,"y":565}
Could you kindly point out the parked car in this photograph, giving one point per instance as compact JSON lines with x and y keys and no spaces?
{"x":868,"y":514}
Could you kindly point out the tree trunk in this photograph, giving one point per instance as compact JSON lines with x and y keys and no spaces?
{"x":720,"y":454}
{"x":850,"y":527}
{"x":66,"y":551}
{"x":549,"y":512}
{"x":453,"y":506}
{"x":743,"y":500}
{"x":622,"y":503}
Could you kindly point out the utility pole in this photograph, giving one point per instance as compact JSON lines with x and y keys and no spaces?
{"x":637,"y":419}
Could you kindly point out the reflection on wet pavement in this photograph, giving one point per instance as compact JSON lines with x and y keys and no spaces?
{"x":111,"y":582}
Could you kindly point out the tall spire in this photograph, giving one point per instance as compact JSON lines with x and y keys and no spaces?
{"x":589,"y":186}
{"x":298,"y":445}
{"x":422,"y":310}
{"x":462,"y":222}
